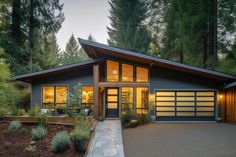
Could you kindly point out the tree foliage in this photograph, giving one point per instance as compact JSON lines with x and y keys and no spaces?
{"x":128,"y":26}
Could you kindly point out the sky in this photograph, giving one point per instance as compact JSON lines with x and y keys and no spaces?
{"x":84,"y":17}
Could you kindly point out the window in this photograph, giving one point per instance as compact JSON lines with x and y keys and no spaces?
{"x":127,"y":73}
{"x":142,"y":100}
{"x":127,"y":99}
{"x":112,"y":71}
{"x":142,"y":74}
{"x":87,"y":97}
{"x":55,"y":96}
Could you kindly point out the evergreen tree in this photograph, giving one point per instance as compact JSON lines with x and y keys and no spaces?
{"x":72,"y":53}
{"x":50,"y":52}
{"x":128,"y":28}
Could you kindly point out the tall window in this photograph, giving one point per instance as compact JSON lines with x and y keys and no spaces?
{"x":87,"y":97}
{"x":112,"y":71}
{"x":127,"y":99}
{"x":142,"y":100}
{"x":127,"y":73}
{"x":142,"y":74}
{"x":55,"y":96}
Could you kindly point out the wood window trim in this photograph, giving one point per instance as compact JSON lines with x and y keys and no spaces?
{"x":86,"y":104}
{"x":54,"y":90}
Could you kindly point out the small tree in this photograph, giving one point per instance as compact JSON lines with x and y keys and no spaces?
{"x":74,"y":99}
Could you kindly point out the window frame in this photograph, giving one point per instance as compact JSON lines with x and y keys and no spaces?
{"x":119,"y":71}
{"x":54,"y":90}
{"x":134,"y":98}
{"x":135,"y":65}
{"x":148,"y":73}
{"x":92,"y":104}
{"x":148,"y":89}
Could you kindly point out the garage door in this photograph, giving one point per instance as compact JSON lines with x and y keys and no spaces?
{"x":185,"y":105}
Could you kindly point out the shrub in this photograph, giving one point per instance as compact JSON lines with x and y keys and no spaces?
{"x":80,"y":139}
{"x":60,"y":142}
{"x":14,"y":126}
{"x":81,"y":121}
{"x":38,"y":133}
{"x":143,"y":118}
{"x":79,"y":135}
{"x":42,"y":120}
{"x":34,"y":110}
{"x":22,"y":130}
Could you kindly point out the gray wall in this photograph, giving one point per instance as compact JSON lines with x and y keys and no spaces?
{"x":83,"y":76}
{"x":161,"y":78}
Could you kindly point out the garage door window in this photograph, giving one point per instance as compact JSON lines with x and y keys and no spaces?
{"x":185,"y":104}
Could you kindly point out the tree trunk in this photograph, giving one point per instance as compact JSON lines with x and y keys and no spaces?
{"x":205,"y":51}
{"x":16,"y":21}
{"x":31,"y":34}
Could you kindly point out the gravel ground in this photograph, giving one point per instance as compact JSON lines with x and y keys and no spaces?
{"x":181,"y":140}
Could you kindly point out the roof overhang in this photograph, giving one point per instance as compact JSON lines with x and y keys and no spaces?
{"x":61,"y":69}
{"x":96,"y":50}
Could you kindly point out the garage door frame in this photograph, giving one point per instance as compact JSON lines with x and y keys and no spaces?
{"x":187,"y":118}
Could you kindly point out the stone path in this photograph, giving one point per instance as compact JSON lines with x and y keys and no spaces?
{"x":107,"y":141}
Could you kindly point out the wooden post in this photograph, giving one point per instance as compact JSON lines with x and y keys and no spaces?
{"x":96,"y":90}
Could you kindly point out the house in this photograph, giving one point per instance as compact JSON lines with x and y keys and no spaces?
{"x":115,"y":78}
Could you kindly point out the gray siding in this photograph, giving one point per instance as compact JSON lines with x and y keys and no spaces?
{"x":83,"y":76}
{"x":161,"y":78}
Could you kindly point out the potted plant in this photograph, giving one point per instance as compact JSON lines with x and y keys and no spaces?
{"x":80,"y":139}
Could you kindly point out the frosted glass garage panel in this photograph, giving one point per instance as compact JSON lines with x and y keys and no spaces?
{"x":185,"y":108}
{"x":185,"y":114}
{"x":205,"y":108}
{"x":165,"y":93}
{"x":165,"y":103}
{"x":185,"y":93}
{"x":205,"y":98}
{"x":205,"y":113}
{"x":205,"y":103}
{"x":185,"y":98}
{"x":165,"y":98}
{"x":205,"y":94}
{"x":165,"y":113}
{"x":165,"y":109}
{"x":185,"y":103}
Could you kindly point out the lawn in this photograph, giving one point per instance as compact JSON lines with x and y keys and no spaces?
{"x":181,"y":140}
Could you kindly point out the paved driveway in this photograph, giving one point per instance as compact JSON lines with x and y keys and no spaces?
{"x":181,"y":140}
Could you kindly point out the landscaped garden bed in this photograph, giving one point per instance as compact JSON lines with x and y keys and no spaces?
{"x":20,"y":141}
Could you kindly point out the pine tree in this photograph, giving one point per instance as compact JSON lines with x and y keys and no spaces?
{"x":128,"y":28}
{"x":50,"y":52}
{"x":72,"y":53}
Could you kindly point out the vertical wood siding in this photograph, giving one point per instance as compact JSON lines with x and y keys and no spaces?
{"x":230,"y":104}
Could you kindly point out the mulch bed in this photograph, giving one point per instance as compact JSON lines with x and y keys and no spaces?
{"x":14,"y":145}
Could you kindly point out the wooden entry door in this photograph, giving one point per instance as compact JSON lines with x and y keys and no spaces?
{"x":112,"y":102}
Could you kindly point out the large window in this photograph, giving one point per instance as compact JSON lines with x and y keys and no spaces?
{"x":141,"y":74}
{"x":127,"y":73}
{"x":112,"y":71}
{"x":142,"y":100}
{"x":87,"y":97}
{"x":127,"y":99}
{"x":55,"y":96}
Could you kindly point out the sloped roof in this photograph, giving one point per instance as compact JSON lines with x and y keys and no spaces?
{"x":56,"y":70}
{"x":97,"y":50}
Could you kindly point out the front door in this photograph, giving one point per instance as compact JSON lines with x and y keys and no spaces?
{"x":112,"y":102}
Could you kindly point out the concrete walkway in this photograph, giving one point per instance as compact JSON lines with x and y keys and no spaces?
{"x":107,"y":141}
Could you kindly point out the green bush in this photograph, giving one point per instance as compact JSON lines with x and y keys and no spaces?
{"x":38,"y":133}
{"x":42,"y":120}
{"x":14,"y":126}
{"x":34,"y":110}
{"x":143,"y":118}
{"x":81,"y":121}
{"x":79,"y":135}
{"x":60,"y":142}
